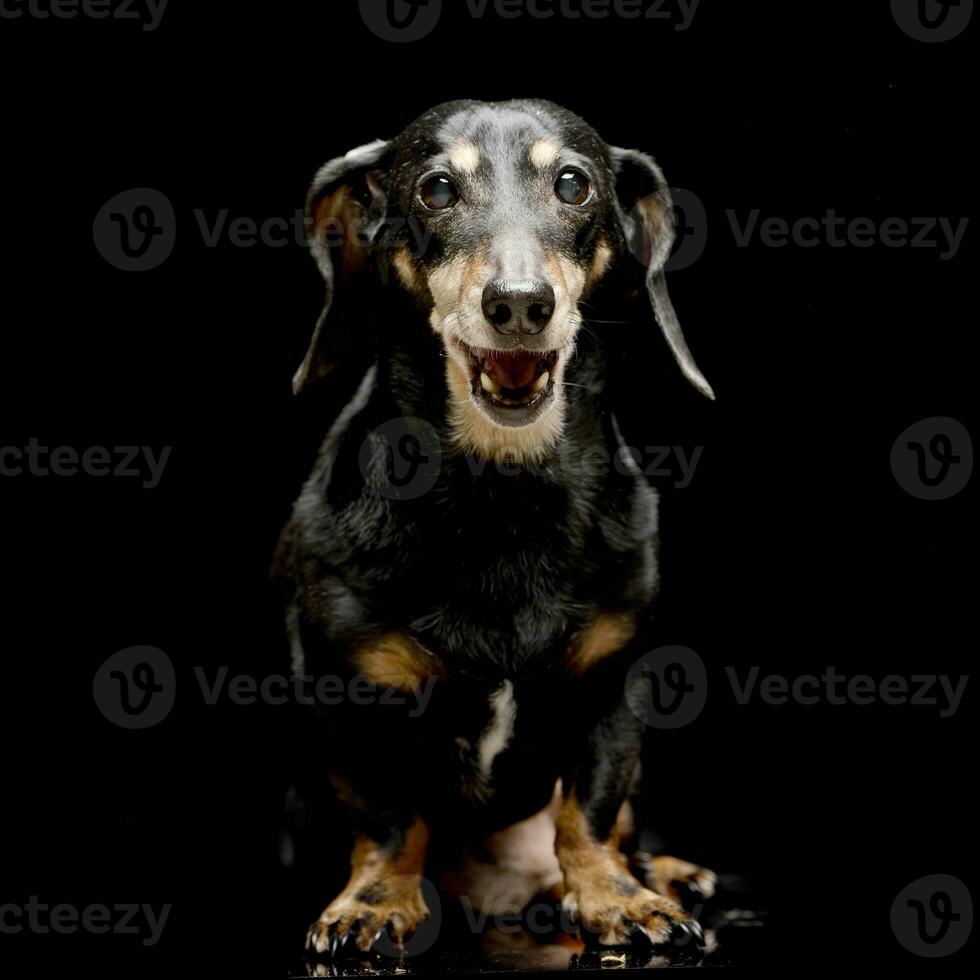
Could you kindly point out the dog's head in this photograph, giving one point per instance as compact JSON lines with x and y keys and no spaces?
{"x":499,"y":219}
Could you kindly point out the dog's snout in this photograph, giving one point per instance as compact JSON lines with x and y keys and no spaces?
{"x":518,"y":307}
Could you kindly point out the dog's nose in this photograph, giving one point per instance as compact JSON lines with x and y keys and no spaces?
{"x":522,"y":306}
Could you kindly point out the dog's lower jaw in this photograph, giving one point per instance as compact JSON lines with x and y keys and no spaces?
{"x":474,"y":432}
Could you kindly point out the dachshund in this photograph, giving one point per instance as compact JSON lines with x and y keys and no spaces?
{"x":477,"y":591}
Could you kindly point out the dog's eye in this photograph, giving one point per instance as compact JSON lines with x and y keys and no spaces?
{"x":438,"y":193}
{"x":573,"y":187}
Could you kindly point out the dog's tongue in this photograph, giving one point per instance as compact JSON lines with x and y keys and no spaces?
{"x":514,"y":371}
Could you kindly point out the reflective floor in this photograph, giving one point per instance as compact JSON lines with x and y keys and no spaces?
{"x":733,"y":927}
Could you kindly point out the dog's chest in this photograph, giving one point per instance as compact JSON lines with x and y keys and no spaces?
{"x":490,"y":568}
{"x":514,"y":570}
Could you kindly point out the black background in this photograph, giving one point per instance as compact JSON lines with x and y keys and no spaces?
{"x":793,"y":549}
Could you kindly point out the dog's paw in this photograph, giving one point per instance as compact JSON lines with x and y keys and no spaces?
{"x":621,"y":915}
{"x":351,"y":925}
{"x":680,"y":880}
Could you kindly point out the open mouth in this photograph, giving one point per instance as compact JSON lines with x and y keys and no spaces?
{"x":514,"y":384}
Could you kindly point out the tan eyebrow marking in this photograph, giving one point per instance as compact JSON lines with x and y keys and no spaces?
{"x":601,"y":262}
{"x":543,"y":153}
{"x":465,"y":157}
{"x":405,"y":269}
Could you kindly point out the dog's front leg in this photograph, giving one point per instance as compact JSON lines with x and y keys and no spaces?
{"x":383,"y":893}
{"x":601,"y":895}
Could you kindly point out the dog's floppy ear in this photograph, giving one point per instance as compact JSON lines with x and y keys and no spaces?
{"x":648,"y":221}
{"x":345,"y":208}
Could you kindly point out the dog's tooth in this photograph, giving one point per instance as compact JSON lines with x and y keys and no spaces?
{"x":542,"y":382}
{"x":488,"y":383}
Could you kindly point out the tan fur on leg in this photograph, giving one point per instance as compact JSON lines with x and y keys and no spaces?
{"x":669,"y":876}
{"x":604,"y":897}
{"x":384,"y":892}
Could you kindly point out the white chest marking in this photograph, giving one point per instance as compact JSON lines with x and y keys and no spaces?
{"x":499,"y":732}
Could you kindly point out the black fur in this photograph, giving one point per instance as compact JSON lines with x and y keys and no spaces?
{"x":495,"y":569}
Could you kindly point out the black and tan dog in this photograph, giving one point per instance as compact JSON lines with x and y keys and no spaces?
{"x":510,"y":597}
